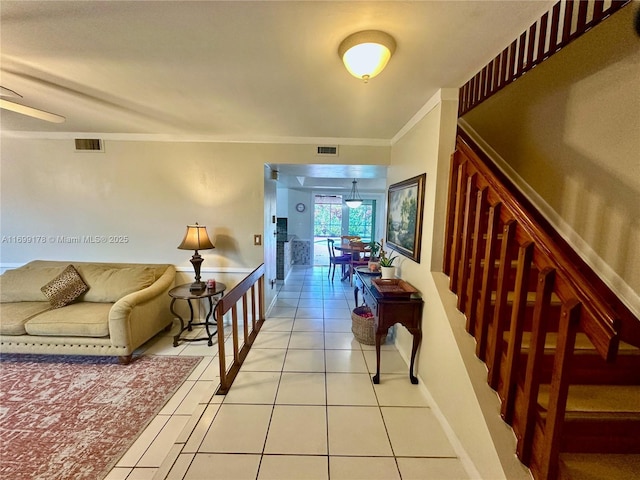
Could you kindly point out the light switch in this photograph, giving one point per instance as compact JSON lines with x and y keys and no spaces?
{"x":257,"y":239}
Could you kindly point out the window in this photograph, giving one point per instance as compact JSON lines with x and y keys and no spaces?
{"x":327,"y":216}
{"x":332,"y":219}
{"x":362,"y":220}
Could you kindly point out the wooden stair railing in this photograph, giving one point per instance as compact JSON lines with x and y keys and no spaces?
{"x":252,"y":310}
{"x":542,"y":319}
{"x":565,"y":22}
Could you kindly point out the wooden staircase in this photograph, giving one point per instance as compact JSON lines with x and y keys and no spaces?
{"x":561,"y":349}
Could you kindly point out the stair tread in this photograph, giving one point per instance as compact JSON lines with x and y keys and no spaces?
{"x":592,"y":466}
{"x":603,"y":399}
{"x":582,"y":343}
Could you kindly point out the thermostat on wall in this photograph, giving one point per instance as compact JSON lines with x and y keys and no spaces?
{"x":300,"y":207}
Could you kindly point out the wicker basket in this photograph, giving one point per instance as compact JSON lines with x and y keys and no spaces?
{"x":362,"y":327}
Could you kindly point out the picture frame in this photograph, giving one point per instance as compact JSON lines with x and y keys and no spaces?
{"x":405,"y":207}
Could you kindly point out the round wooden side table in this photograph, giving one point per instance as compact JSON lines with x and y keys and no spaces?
{"x":183,"y":292}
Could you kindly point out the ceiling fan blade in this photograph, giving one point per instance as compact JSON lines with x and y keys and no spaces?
{"x":7,"y":92}
{"x":31,"y":112}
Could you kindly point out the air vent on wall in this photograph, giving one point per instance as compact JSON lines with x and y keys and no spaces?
{"x":89,"y":145}
{"x":327,"y":150}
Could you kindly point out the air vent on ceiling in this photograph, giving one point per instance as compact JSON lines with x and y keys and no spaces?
{"x":89,"y":145}
{"x":327,"y":150}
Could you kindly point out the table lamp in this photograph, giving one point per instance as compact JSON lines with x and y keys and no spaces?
{"x":196,"y":239}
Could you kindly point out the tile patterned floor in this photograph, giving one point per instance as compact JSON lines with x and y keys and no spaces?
{"x":302,"y":407}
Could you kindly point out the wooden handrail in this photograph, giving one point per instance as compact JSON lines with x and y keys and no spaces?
{"x":514,"y":274}
{"x":511,"y":63}
{"x":614,"y":319}
{"x":229,"y":302}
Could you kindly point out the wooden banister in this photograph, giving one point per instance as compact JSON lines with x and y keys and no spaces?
{"x":525,"y":256}
{"x":514,"y":276}
{"x":533,"y":47}
{"x":546,"y":281}
{"x":548,"y":460}
{"x":602,"y":305}
{"x":245,"y":291}
{"x":465,"y":253}
{"x":484,"y":302}
{"x":475,"y":273}
{"x":499,"y":321}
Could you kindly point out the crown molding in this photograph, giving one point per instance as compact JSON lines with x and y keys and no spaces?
{"x":178,"y":138}
{"x":442,"y":95}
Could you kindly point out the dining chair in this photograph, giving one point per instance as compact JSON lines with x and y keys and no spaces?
{"x":357,"y":254}
{"x":346,"y":239}
{"x":357,"y":261}
{"x":343,"y":260}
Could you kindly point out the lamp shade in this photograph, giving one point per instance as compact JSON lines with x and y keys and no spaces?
{"x":366,"y":53}
{"x":196,"y":238}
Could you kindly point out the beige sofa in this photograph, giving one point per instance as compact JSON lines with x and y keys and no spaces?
{"x":123,"y":306}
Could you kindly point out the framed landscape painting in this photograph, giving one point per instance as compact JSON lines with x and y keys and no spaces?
{"x":405,"y":204}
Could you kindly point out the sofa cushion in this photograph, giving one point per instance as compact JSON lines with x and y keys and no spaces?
{"x":13,"y":316}
{"x":83,"y":319}
{"x":64,"y":288}
{"x":23,"y":284}
{"x":109,"y":284}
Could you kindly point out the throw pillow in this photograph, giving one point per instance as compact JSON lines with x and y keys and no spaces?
{"x":64,"y":288}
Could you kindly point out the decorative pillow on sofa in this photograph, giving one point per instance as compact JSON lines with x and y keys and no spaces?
{"x":65,"y":288}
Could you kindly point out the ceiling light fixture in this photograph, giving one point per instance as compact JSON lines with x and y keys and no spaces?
{"x":353,"y":200}
{"x":366,"y":53}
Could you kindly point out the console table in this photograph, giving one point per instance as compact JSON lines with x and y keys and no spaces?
{"x":183,"y":292}
{"x":387,"y":311}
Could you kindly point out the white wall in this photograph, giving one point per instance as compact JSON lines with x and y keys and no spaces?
{"x":282,"y":208}
{"x":145,"y":191}
{"x":441,"y":365}
{"x":300,"y":224}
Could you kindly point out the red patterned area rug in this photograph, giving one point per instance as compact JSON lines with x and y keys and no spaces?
{"x":73,"y":417}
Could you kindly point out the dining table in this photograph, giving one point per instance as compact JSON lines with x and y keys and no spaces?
{"x":356,"y":251}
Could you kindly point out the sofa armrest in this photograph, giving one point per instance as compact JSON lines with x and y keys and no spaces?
{"x":140,"y":315}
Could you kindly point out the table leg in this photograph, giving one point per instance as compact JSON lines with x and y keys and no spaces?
{"x":379,"y":337}
{"x":206,"y":322}
{"x":176,"y":337}
{"x":417,"y":337}
{"x":189,"y":327}
{"x":345,"y":272}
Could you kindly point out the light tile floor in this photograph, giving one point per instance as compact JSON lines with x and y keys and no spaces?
{"x":302,"y":407}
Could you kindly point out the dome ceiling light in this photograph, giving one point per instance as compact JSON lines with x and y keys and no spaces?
{"x":366,"y":53}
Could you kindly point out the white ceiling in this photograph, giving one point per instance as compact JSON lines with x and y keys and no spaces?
{"x":241,"y":71}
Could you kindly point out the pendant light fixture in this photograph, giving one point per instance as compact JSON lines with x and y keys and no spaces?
{"x":353,"y":200}
{"x":366,"y":53}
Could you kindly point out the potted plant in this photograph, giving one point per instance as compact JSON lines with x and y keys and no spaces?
{"x":374,"y":259}
{"x":386,"y":263}
{"x":374,"y":249}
